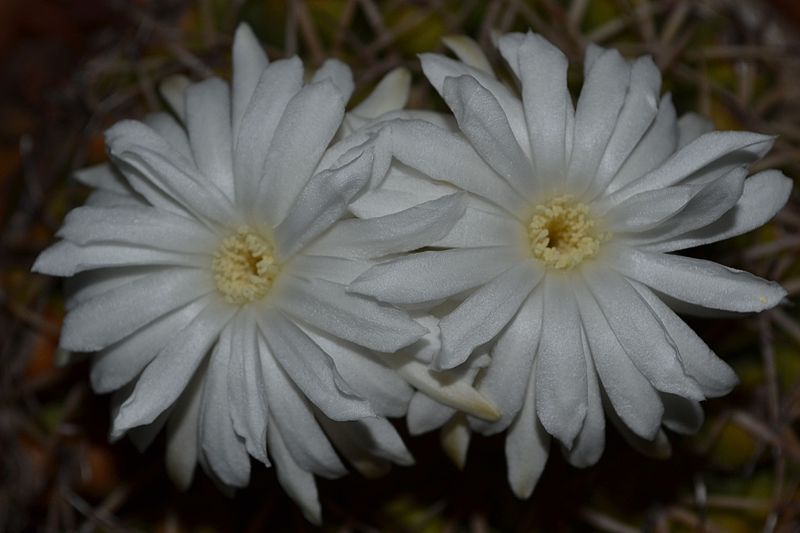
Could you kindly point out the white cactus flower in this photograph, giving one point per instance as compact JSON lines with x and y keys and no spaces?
{"x":562,"y":262}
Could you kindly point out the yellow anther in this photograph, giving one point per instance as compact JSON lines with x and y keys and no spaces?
{"x":244,"y":267}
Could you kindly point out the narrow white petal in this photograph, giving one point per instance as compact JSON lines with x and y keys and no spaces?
{"x":681,"y":415}
{"x":591,"y":440}
{"x":648,"y":209}
{"x":455,"y":437}
{"x":222,"y":450}
{"x":276,"y":86}
{"x":119,"y":312}
{"x":699,"y":282}
{"x":657,"y":144}
{"x":560,"y":372}
{"x":352,"y":317}
{"x":429,"y":276}
{"x":390,"y":94}
{"x":298,"y":483}
{"x":713,"y":375}
{"x":469,"y":52}
{"x":508,"y":44}
{"x":506,"y":379}
{"x":182,"y":432}
{"x":691,"y":126}
{"x":596,"y":113}
{"x":293,"y":417}
{"x":120,"y":363}
{"x":632,"y":397}
{"x":87,"y":285}
{"x":111,"y":199}
{"x":485,"y":313}
{"x":173,"y":90}
{"x":479,"y":227}
{"x":703,"y":160}
{"x":657,"y":448}
{"x":311,"y":369}
{"x":407,"y":230}
{"x":308,"y":124}
{"x":762,"y":197}
{"x":641,"y":334}
{"x":249,"y":61}
{"x":166,"y":377}
{"x":483,"y":121}
{"x":371,"y":437}
{"x":437,"y":68}
{"x":321,"y":202}
{"x":208,"y":120}
{"x":547,"y":104}
{"x":448,"y":157}
{"x":527,"y":446}
{"x":335,"y":269}
{"x":104,"y":177}
{"x":337,"y":73}
{"x":172,"y":131}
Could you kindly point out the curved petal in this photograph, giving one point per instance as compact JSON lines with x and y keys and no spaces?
{"x":591,"y":440}
{"x":183,"y":428}
{"x":249,"y":61}
{"x":469,"y":52}
{"x":390,"y":94}
{"x":426,"y":414}
{"x":298,"y":483}
{"x":339,"y":74}
{"x":681,"y":415}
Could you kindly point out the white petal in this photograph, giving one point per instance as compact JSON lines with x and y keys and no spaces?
{"x":468,"y":51}
{"x":482,"y":120}
{"x":111,"y":316}
{"x":164,"y":177}
{"x":455,"y":437}
{"x":321,"y":203}
{"x":762,"y":197}
{"x":390,"y":94}
{"x":447,"y":157}
{"x":402,"y":188}
{"x":487,"y":311}
{"x":590,"y":442}
{"x":352,"y":317}
{"x":653,"y":149}
{"x":633,"y":398}
{"x":173,"y":90}
{"x":387,"y":392}
{"x":208,"y":120}
{"x":182,"y":435}
{"x":437,"y":68}
{"x":479,"y":227}
{"x":681,"y":415}
{"x":104,"y":177}
{"x":596,"y":113}
{"x":277,"y":85}
{"x":560,"y":372}
{"x":249,"y":61}
{"x":166,"y":377}
{"x":172,"y":131}
{"x":548,"y":106}
{"x":293,"y":418}
{"x":121,"y":362}
{"x":297,"y":483}
{"x":246,"y":387}
{"x":648,"y":209}
{"x":371,"y":437}
{"x":506,"y":379}
{"x":339,"y":74}
{"x":699,"y":282}
{"x":691,"y":126}
{"x":703,"y":160}
{"x":110,"y":199}
{"x":428,"y":276}
{"x":636,"y":116}
{"x":400,"y":232}
{"x":426,"y":414}
{"x":139,"y":226}
{"x":713,"y":375}
{"x":307,"y":126}
{"x":527,"y":446}
{"x":656,"y":448}
{"x":641,"y":334}
{"x":707,"y":206}
{"x":87,"y":285}
{"x":456,"y":393}
{"x":508,"y":44}
{"x":311,"y":369}
{"x":335,"y":269}
{"x":222,"y":450}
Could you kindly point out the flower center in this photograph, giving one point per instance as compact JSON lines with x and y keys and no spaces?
{"x":244,"y":267}
{"x":562,"y":233}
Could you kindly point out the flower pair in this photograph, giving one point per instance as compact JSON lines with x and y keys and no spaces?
{"x":265,"y":274}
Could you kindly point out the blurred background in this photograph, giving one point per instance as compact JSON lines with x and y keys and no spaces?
{"x":70,"y":69}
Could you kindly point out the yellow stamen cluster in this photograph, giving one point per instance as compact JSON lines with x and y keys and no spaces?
{"x":562,"y":233}
{"x":244,"y":267}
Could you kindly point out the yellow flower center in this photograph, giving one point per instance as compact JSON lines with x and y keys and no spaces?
{"x":244,"y":267}
{"x":562,"y":233}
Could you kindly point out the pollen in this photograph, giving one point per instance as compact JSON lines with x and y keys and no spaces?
{"x":562,"y":233}
{"x":244,"y":267}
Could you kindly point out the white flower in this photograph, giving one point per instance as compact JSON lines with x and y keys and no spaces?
{"x":199,"y":279}
{"x":562,"y":258}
